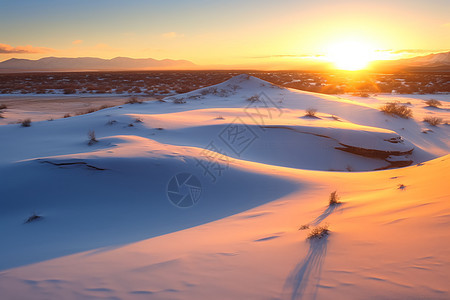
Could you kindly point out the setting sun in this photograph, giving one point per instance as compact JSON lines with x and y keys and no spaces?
{"x":350,"y":55}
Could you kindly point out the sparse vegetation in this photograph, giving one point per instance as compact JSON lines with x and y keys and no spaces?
{"x":67,"y":116}
{"x":304,"y":227}
{"x":334,"y":198}
{"x":220,"y":118}
{"x":319,"y":232}
{"x":26,"y":123}
{"x":433,"y":121}
{"x":253,"y":98}
{"x":32,"y":218}
{"x":433,"y":103}
{"x":92,"y":138}
{"x":179,"y":101}
{"x":138,"y":120}
{"x":134,"y":100}
{"x":311,"y":112}
{"x":397,"y":109}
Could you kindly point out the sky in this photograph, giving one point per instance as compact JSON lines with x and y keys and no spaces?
{"x":251,"y":33}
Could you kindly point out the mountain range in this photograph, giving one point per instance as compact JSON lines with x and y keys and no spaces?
{"x":92,"y":64}
{"x":432,"y":62}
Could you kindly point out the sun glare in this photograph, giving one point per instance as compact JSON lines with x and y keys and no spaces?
{"x":350,"y":55}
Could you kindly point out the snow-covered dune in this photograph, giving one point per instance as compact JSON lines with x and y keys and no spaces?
{"x":201,"y":195}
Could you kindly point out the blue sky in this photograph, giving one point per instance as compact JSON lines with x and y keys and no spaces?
{"x":208,"y":31}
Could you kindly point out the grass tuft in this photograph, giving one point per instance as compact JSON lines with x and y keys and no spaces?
{"x":92,"y":138}
{"x":319,"y":232}
{"x":334,"y":198}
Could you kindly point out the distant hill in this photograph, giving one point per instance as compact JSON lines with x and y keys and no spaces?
{"x":432,"y":62}
{"x":92,"y":64}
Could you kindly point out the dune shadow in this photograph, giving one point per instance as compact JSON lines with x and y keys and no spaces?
{"x":97,"y":211}
{"x":303,"y":281}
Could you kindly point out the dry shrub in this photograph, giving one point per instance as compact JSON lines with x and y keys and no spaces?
{"x":134,"y":100}
{"x":433,"y":103}
{"x":311,"y":112}
{"x":433,"y":121}
{"x":253,"y":98}
{"x":319,"y":232}
{"x":334,"y":198}
{"x":397,"y":109}
{"x":26,"y":123}
{"x":91,"y":137}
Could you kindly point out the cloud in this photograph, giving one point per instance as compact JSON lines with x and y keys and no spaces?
{"x":303,"y":56}
{"x":4,"y":48}
{"x":411,"y":51}
{"x":171,"y":35}
{"x":77,"y":42}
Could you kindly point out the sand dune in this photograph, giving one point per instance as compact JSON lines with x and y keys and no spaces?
{"x":201,"y":196}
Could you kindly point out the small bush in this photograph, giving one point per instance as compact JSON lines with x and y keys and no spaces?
{"x":3,"y":106}
{"x":433,"y":103}
{"x":397,"y":109}
{"x":253,"y":98}
{"x":304,"y":227}
{"x":334,"y":198}
{"x":319,"y":232}
{"x":134,"y":100}
{"x":433,"y":121}
{"x":34,"y":217}
{"x":67,"y":116}
{"x":311,"y":112}
{"x":91,"y":137}
{"x":179,"y":101}
{"x":138,"y":120}
{"x":26,"y":123}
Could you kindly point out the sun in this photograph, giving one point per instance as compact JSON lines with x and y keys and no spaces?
{"x":350,"y":55}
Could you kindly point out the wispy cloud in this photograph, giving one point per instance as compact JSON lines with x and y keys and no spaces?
{"x":302,"y":56}
{"x":411,"y":51}
{"x":77,"y":42}
{"x":172,"y":35}
{"x":8,"y":49}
